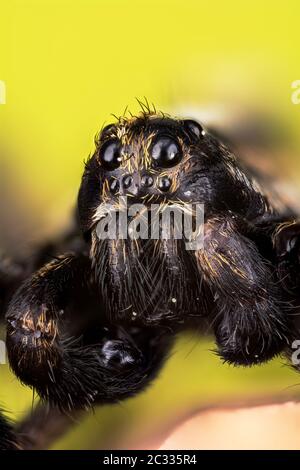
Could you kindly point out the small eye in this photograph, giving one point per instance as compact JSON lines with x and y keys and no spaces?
{"x":110,"y":155}
{"x":127,"y":181}
{"x":164,"y":184}
{"x":147,"y":181}
{"x":114,"y":186}
{"x":166,"y":152}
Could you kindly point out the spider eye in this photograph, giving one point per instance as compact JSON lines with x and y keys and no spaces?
{"x":110,"y":155}
{"x":166,"y":152}
{"x":193,"y":128}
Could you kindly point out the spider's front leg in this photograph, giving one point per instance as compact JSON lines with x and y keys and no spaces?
{"x":59,"y":343}
{"x":11,"y":274}
{"x":251,"y":321}
{"x":286,"y":245}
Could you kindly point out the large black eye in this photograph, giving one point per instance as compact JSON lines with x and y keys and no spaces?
{"x":110,"y":155}
{"x":193,"y":128}
{"x":166,"y":152}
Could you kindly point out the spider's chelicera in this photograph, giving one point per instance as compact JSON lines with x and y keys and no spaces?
{"x":95,"y":324}
{"x":179,"y":221}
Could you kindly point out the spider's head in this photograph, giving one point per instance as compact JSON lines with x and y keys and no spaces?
{"x":153,"y":158}
{"x":144,"y":158}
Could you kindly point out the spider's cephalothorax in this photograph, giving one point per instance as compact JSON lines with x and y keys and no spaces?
{"x":96,"y":324}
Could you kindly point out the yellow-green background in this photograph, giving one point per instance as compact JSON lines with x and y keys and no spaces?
{"x":69,"y":64}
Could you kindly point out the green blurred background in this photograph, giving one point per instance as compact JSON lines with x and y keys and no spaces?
{"x":69,"y":64}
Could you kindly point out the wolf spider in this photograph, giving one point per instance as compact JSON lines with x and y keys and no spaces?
{"x":96,"y":323}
